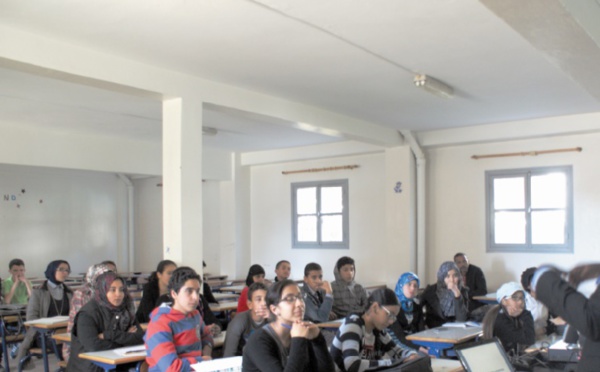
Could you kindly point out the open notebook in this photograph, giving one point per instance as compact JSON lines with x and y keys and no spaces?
{"x":484,"y":356}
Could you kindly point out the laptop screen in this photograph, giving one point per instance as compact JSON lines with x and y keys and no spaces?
{"x":484,"y":356}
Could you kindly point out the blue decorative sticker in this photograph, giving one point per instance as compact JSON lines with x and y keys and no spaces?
{"x":398,"y":188}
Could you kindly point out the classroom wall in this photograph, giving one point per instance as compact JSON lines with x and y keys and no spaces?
{"x":48,"y":214}
{"x":271,"y":218}
{"x":456,"y":203}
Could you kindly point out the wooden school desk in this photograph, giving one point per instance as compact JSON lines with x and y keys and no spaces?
{"x":441,"y":338}
{"x":46,"y":326}
{"x":226,"y":296}
{"x":110,"y":359}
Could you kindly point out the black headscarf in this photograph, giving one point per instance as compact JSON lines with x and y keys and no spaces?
{"x":50,"y":272}
{"x":121,"y":314}
{"x":254,"y":270}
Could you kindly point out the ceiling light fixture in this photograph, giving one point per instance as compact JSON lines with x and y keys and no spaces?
{"x":434,"y":86}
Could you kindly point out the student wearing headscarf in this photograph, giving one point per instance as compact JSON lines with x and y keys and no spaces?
{"x":81,"y":297}
{"x":256,"y":274}
{"x":104,"y":323}
{"x":410,"y":318}
{"x":51,"y":299}
{"x":509,"y":320}
{"x":446,"y":300}
{"x":348,"y":296}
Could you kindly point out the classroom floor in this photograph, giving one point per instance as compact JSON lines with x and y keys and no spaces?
{"x":39,"y":365}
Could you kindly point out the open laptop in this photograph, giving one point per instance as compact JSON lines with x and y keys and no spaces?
{"x":484,"y":356}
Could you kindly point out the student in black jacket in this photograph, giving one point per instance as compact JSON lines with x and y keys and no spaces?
{"x":410,"y":318}
{"x":288,"y":343}
{"x":104,"y":323}
{"x":509,"y":320}
{"x":564,"y":300}
{"x":156,"y":287}
{"x":447,"y":300}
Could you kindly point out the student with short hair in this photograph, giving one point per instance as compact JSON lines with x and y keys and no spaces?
{"x":244,"y":324}
{"x":176,"y":336}
{"x":16,"y":289}
{"x":348,"y":296}
{"x":104,"y":323}
{"x":361,"y":342}
{"x":288,"y":343}
{"x":283,"y":270}
{"x":157,"y":286}
{"x":318,"y":295}
{"x":256,"y":274}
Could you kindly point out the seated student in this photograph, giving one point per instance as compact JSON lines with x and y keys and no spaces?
{"x":447,"y":300}
{"x":509,"y":320}
{"x":288,"y":343}
{"x":542,"y":322}
{"x":112,"y":266}
{"x":104,"y":323}
{"x":207,"y":315}
{"x":361,"y":342}
{"x":256,"y":274}
{"x":472,"y":278}
{"x":283,"y":270}
{"x":318,"y":295}
{"x":410,"y":318}
{"x":16,"y":289}
{"x":156,"y":287}
{"x":348,"y":296}
{"x":244,"y":324}
{"x":176,"y":336}
{"x":81,"y":297}
{"x":51,"y":299}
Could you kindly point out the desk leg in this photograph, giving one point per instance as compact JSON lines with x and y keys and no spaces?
{"x":4,"y":347}
{"x":44,"y":351}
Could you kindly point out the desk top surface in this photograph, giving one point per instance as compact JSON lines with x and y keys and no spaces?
{"x":117,"y":356}
{"x":224,"y":306}
{"x":452,"y":335}
{"x":49,"y":323}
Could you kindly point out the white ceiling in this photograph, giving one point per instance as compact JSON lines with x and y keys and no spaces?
{"x":506,"y":59}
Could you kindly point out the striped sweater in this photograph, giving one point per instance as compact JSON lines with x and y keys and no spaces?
{"x":350,"y":353}
{"x":174,"y":340}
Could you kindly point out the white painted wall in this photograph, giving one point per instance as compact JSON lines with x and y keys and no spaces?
{"x":73,"y":215}
{"x":271,"y":217}
{"x":456,"y":203}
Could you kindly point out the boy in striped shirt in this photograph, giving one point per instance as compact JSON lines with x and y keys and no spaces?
{"x":177,"y":336}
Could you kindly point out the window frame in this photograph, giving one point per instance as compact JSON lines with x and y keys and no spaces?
{"x":528,"y":246}
{"x":345,"y":243}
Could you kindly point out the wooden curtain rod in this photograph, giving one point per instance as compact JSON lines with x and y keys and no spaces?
{"x":312,"y":170}
{"x":529,"y":153}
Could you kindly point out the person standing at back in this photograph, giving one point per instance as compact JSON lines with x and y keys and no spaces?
{"x":472,"y":278}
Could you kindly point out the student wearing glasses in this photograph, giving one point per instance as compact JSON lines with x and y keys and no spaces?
{"x":509,"y":320}
{"x":288,"y":343}
{"x":361,"y":342}
{"x":51,"y":299}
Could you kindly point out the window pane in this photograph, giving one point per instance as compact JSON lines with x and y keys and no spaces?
{"x":510,"y":227}
{"x":332,"y":229}
{"x":549,"y":191}
{"x":331,"y":200}
{"x":548,"y":227}
{"x":306,"y":199}
{"x":509,"y":193}
{"x":307,"y":229}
